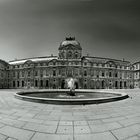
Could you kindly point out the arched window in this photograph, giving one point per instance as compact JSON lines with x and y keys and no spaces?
{"x":125,"y":85}
{"x":22,"y":83}
{"x":41,"y":83}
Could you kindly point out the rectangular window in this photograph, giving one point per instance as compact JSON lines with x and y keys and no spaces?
{"x":29,"y":73}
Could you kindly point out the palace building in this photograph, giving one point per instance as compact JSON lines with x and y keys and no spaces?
{"x":51,"y":71}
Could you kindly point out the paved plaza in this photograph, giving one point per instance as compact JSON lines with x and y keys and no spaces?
{"x":22,"y":120}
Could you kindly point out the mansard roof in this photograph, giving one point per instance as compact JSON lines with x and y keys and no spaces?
{"x":34,"y":59}
{"x":3,"y":62}
{"x":106,"y":60}
{"x":138,"y":62}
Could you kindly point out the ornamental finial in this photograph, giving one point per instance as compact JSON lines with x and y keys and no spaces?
{"x":70,"y":38}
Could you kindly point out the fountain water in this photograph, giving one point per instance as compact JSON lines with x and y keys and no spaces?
{"x":71,"y":85}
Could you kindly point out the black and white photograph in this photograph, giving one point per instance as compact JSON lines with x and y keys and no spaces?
{"x":69,"y":70}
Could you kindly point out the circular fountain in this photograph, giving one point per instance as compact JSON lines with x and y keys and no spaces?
{"x":70,"y":96}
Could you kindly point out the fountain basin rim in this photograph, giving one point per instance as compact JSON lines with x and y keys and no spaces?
{"x":72,"y":101}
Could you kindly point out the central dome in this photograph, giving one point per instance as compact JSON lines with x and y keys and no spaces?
{"x":70,"y":49}
{"x":70,"y":41}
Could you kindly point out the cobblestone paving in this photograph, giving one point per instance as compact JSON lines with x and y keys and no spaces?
{"x":22,"y":120}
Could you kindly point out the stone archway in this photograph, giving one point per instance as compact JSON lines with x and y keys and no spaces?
{"x":76,"y":85}
{"x":63,"y":84}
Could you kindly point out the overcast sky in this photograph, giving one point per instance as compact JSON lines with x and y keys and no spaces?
{"x":105,"y":28}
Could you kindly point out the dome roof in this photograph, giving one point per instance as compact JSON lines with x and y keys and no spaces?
{"x":70,"y":41}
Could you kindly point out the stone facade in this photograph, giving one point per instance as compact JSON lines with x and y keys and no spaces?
{"x":3,"y":74}
{"x":51,"y":72}
{"x":136,"y":68}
